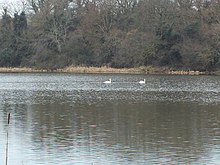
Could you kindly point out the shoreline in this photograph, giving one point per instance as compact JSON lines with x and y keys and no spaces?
{"x":104,"y":69}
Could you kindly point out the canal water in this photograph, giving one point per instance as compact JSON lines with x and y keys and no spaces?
{"x":76,"y":119}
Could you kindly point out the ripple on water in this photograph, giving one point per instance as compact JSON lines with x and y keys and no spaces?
{"x":93,"y":96}
{"x":49,"y":129}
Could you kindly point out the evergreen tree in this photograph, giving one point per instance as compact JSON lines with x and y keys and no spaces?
{"x":5,"y":39}
{"x":20,"y":24}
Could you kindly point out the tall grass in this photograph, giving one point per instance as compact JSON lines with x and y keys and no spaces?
{"x":19,"y":70}
{"x":104,"y":69}
{"x":83,"y":69}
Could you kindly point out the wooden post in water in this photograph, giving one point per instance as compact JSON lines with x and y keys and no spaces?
{"x":7,"y":140}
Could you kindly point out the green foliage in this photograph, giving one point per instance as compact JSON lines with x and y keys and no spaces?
{"x":5,"y":56}
{"x":209,"y":59}
{"x":78,"y":51}
{"x":14,"y":48}
{"x":192,"y":30}
{"x":19,"y":24}
{"x":131,"y":50}
{"x":6,"y":27}
{"x":151,"y":55}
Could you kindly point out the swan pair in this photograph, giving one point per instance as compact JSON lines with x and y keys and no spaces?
{"x":110,"y":81}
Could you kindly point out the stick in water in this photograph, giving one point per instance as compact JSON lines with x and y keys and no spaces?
{"x":7,"y":139}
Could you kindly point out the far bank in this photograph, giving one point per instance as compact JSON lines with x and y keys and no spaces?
{"x":105,"y":69}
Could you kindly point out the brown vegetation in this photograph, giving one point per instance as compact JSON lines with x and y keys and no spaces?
{"x":187,"y":72}
{"x":104,"y":69}
{"x":177,"y":34}
{"x":82,"y":69}
{"x":20,"y":70}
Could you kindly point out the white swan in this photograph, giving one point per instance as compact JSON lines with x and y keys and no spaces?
{"x":142,"y":81}
{"x":108,"y":81}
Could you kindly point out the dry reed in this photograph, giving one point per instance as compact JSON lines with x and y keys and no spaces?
{"x":19,"y":70}
{"x":6,"y":158}
{"x":105,"y":69}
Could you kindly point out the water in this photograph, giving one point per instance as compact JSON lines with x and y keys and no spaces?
{"x":75,"y":119}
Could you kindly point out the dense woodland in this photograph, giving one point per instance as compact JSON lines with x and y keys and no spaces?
{"x":178,"y":34}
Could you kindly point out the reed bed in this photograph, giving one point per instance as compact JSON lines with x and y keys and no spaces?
{"x":105,"y":69}
{"x":187,"y":72}
{"x":20,"y":70}
{"x":83,"y":69}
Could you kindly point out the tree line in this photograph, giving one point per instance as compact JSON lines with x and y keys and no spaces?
{"x":50,"y":34}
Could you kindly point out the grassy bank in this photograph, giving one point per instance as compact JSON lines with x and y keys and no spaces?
{"x":81,"y":69}
{"x":20,"y":70}
{"x":104,"y":69}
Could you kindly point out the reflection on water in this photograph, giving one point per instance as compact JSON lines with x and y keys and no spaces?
{"x":70,"y":119}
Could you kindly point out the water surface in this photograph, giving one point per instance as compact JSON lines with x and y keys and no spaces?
{"x":76,"y":119}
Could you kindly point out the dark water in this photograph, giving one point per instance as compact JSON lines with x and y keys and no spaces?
{"x":75,"y":119}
